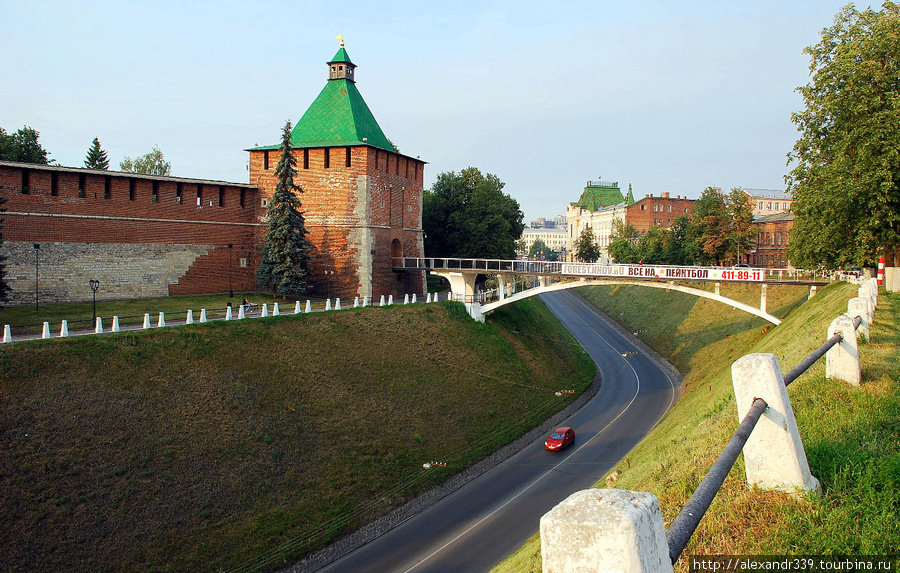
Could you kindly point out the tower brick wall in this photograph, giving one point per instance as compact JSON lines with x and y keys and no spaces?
{"x":359,"y":211}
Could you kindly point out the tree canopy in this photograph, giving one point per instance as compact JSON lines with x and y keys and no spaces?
{"x":22,"y":146}
{"x":467,"y":215}
{"x":586,"y":248}
{"x":845,"y":179}
{"x":151,"y":163}
{"x":284,"y":264}
{"x":96,"y":157}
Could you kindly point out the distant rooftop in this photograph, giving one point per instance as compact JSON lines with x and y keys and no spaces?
{"x":599,"y":195}
{"x":768,"y":194}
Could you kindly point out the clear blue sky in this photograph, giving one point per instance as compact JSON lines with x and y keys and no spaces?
{"x":668,"y":96}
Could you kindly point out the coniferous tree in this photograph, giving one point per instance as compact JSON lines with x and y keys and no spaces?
{"x":286,"y":252}
{"x":586,"y":248}
{"x":4,"y":288}
{"x":96,"y":157}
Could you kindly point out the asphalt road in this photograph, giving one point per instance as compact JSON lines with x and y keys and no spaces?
{"x":479,"y":525}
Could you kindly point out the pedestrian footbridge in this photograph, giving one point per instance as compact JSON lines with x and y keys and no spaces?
{"x":518,"y":279}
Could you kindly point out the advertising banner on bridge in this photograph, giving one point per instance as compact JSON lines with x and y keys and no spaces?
{"x":730,"y":274}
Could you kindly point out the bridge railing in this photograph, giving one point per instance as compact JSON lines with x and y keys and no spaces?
{"x":622,"y":529}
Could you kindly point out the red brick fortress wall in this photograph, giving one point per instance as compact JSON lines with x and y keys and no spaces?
{"x":360,"y":204}
{"x":139,"y":235}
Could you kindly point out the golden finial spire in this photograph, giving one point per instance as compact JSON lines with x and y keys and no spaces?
{"x":340,"y":38}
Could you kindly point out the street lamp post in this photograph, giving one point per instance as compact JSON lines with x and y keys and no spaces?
{"x":95,"y":286}
{"x":37,"y":251}
{"x":230,"y":289}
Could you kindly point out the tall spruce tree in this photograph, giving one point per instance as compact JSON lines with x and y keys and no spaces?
{"x":286,"y":252}
{"x":96,"y":157}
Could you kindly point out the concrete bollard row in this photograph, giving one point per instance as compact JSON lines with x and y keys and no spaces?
{"x":842,"y":360}
{"x":773,"y":455}
{"x":605,"y":530}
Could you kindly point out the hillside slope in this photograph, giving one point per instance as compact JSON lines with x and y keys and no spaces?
{"x":197,"y":448}
{"x":851,"y":435}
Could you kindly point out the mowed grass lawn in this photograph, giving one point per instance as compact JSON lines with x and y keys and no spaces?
{"x":197,"y":448}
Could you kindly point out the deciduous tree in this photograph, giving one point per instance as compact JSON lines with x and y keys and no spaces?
{"x":586,"y":248}
{"x":846,"y":163}
{"x":22,"y":146}
{"x":467,"y":215}
{"x":151,"y":163}
{"x":286,"y":253}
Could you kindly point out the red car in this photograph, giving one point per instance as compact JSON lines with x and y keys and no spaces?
{"x":559,"y":439}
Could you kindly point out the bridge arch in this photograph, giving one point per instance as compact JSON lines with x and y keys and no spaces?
{"x":490,"y":307}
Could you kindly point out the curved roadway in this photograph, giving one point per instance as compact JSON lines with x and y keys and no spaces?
{"x":485,"y":521}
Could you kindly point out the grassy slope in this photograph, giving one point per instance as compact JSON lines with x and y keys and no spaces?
{"x":196,"y":448}
{"x":851,"y":435}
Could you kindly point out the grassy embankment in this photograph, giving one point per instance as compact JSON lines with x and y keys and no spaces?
{"x":197,"y":448}
{"x":851,"y":435}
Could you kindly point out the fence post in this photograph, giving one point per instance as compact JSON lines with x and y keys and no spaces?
{"x":98,"y":326}
{"x":860,"y":306}
{"x":842,"y":360}
{"x":337,"y":304}
{"x":605,"y":530}
{"x":45,"y":330}
{"x":390,"y":299}
{"x":161,"y":322}
{"x":7,"y":333}
{"x":189,"y":319}
{"x":203,"y":315}
{"x":115,"y":324}
{"x":275,"y":310}
{"x":64,"y":329}
{"x":265,"y":310}
{"x":774,"y":457}
{"x":242,"y":314}
{"x":308,"y":308}
{"x":764,"y":291}
{"x":146,"y":321}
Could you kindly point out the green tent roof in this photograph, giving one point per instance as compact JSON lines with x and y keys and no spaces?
{"x":597,"y":197}
{"x":341,"y":57}
{"x":338,"y":117}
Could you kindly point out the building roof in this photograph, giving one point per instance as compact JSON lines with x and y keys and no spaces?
{"x":774,"y":218}
{"x":337,"y":117}
{"x":768,"y":194}
{"x":599,"y":195}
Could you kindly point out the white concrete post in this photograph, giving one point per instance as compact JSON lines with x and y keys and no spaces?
{"x":228,"y":315}
{"x":605,"y":531}
{"x":308,"y":308}
{"x":406,"y":299}
{"x":275,"y":310}
{"x":764,"y":291}
{"x":327,"y":304}
{"x":64,"y":329}
{"x":265,"y":310}
{"x":7,"y":333}
{"x":381,"y":303}
{"x":146,"y":321}
{"x":414,"y":298}
{"x":390,"y":299}
{"x":365,"y":301}
{"x":896,"y":282}
{"x":859,"y":306}
{"x":297,"y":307}
{"x":203,"y":315}
{"x":427,"y":298}
{"x":717,"y":285}
{"x":889,"y":279}
{"x":356,"y":302}
{"x":812,"y":292}
{"x":189,"y":319}
{"x":98,"y":326}
{"x":242,"y":314}
{"x":774,"y":457}
{"x":162,"y":320}
{"x":115,"y":325}
{"x":45,"y":330}
{"x":842,"y":360}
{"x":337,"y":304}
